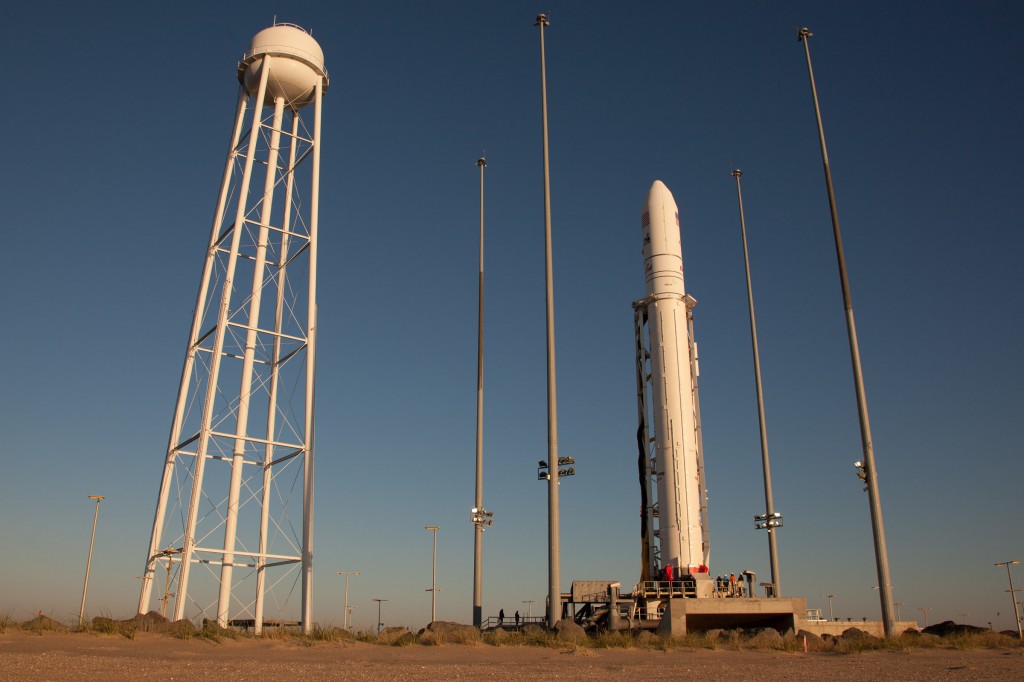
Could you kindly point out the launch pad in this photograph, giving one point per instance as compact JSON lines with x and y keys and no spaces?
{"x":676,"y":591}
{"x":673,"y":609}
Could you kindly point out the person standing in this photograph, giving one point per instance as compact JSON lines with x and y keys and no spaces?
{"x":501,"y":617}
{"x":517,"y":620}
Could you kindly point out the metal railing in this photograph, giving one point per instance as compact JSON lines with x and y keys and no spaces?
{"x":666,"y":588}
{"x":510,"y":623}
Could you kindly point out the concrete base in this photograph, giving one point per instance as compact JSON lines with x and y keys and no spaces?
{"x":681,"y":615}
{"x":872,"y":627}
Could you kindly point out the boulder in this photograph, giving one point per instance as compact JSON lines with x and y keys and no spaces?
{"x":857,"y":633}
{"x":767,"y":638}
{"x":395,"y":635}
{"x":948,"y":627}
{"x":43,"y":623}
{"x":814,"y":642}
{"x":152,"y":622}
{"x":447,"y":632}
{"x":568,"y":631}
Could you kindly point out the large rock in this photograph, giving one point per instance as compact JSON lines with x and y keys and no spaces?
{"x":857,"y":633}
{"x":814,"y":642}
{"x":569,"y":631}
{"x":183,"y":629}
{"x":43,"y":623}
{"x":765,"y":638}
{"x":398,"y":635}
{"x":152,"y":622}
{"x":446,"y":632}
{"x":948,"y":627}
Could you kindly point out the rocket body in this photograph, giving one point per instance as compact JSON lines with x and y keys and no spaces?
{"x":673,"y":399}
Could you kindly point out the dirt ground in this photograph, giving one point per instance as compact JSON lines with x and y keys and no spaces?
{"x":51,"y":656}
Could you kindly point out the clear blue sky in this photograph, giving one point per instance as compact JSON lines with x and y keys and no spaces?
{"x":116,"y":120}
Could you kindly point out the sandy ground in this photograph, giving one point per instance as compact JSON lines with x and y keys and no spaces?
{"x":50,"y":656}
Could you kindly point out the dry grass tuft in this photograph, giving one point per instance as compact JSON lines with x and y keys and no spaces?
{"x":324,"y":633}
{"x":613,"y":640}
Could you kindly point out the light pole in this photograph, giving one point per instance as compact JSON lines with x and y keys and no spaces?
{"x":830,"y":597}
{"x":480,"y":516}
{"x":379,"y":623}
{"x":554,"y":559}
{"x":88,"y":562}
{"x":529,"y":607}
{"x":925,"y":610}
{"x":1013,"y":598}
{"x":898,"y":605}
{"x":771,"y":520}
{"x":345,"y":615}
{"x":433,"y":575}
{"x":871,"y":474}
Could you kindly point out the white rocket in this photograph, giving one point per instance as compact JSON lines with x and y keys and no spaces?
{"x":677,"y":452}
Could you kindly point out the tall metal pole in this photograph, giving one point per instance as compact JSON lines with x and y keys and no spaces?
{"x":312,"y":313}
{"x":478,"y":517}
{"x":871,"y":474}
{"x":554,"y":559}
{"x":379,"y":623}
{"x":1016,"y":614}
{"x":346,"y":574}
{"x":433,"y":576}
{"x":88,"y":562}
{"x":773,"y":551}
{"x":830,"y":598}
{"x":925,"y":610}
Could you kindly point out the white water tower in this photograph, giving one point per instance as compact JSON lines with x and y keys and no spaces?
{"x":238,"y":469}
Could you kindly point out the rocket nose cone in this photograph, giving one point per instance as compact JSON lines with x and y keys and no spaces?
{"x":658,"y":193}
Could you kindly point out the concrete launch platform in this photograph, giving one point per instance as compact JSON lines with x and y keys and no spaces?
{"x":783,"y":613}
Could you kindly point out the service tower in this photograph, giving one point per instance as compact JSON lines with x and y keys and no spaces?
{"x":233,"y":530}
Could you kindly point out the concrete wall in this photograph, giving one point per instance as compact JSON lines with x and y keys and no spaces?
{"x":872,"y":627}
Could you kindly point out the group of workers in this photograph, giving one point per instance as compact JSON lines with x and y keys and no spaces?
{"x":731,"y":586}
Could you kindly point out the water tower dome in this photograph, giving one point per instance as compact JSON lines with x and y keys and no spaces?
{"x":298,"y":64}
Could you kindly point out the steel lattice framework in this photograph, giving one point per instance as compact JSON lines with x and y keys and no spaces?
{"x":237,"y":484}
